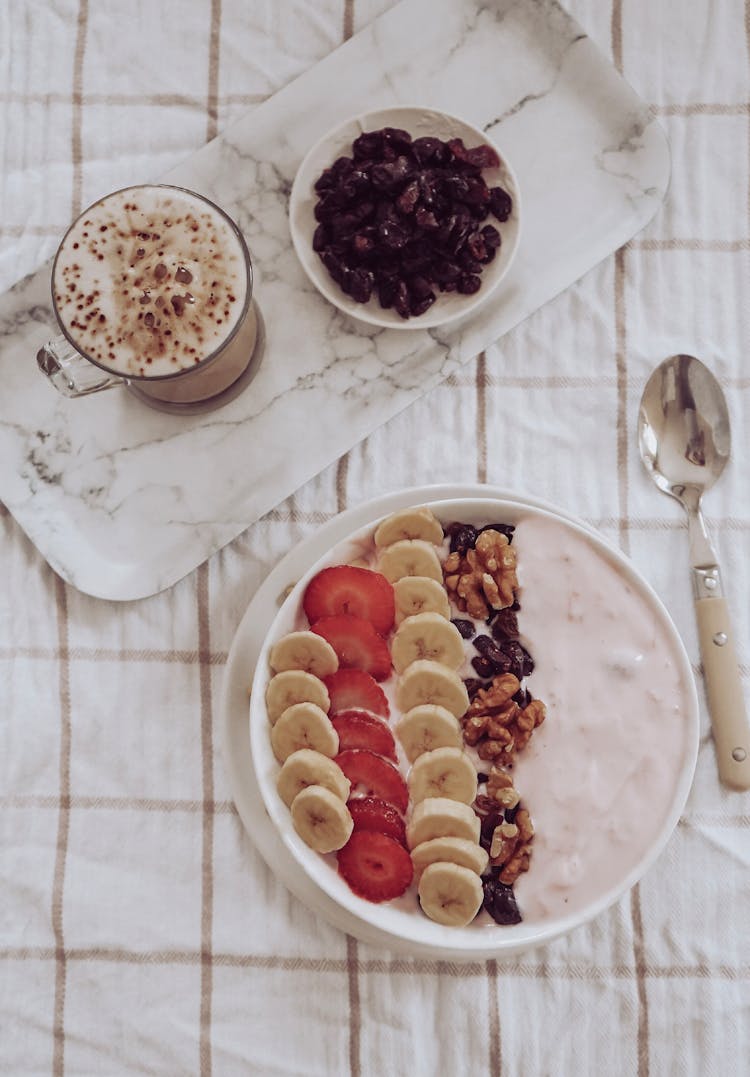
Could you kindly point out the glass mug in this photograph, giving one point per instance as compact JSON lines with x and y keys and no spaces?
{"x":152,"y":290}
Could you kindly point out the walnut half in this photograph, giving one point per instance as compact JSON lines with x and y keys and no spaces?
{"x":483,"y":579}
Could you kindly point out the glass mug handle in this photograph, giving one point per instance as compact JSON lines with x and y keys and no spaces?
{"x":71,"y":373}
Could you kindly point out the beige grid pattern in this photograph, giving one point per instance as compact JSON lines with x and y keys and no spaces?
{"x":140,"y":932}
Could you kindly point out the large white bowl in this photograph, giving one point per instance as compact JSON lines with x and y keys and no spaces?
{"x":448,"y":306}
{"x":401,"y":924}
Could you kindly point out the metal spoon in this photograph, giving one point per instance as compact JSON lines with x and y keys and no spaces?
{"x":683,"y":434}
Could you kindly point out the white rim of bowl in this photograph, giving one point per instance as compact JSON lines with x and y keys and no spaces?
{"x":427,"y":933}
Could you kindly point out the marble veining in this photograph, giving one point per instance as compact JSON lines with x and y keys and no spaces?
{"x":123,"y":500}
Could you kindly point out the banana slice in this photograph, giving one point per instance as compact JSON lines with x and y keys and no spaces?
{"x":410,"y":557}
{"x":307,"y":767}
{"x":446,"y":772}
{"x":426,"y":727}
{"x":419,"y":594}
{"x":418,"y":523}
{"x":294,"y":686}
{"x":304,"y":650}
{"x":450,"y":850}
{"x":429,"y":682}
{"x":438,"y":817}
{"x":321,"y":819}
{"x":427,"y":635}
{"x":450,"y":894}
{"x":303,"y":725}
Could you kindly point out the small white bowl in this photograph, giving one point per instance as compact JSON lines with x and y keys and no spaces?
{"x":419,"y":122}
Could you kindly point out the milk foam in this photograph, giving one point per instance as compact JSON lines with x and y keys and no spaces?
{"x":149,"y":281}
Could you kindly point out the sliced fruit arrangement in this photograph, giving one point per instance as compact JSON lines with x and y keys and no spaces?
{"x":450,"y":894}
{"x":303,"y":725}
{"x":304,"y":650}
{"x":356,"y":643}
{"x":360,"y":729}
{"x":348,"y":589}
{"x":427,"y":635}
{"x":428,"y":726}
{"x":443,"y":772}
{"x":426,"y":681}
{"x":375,"y":866}
{"x":329,"y":718}
{"x":419,"y":594}
{"x":294,"y":686}
{"x":308,"y":767}
{"x":353,"y":689}
{"x":416,"y":523}
{"x":321,"y":819}
{"x":373,"y":813}
{"x":372,"y":775}
{"x":410,"y":557}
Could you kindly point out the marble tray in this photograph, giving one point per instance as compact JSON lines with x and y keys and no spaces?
{"x":122,"y":500}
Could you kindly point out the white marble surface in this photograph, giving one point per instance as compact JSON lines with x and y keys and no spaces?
{"x":123,"y":501}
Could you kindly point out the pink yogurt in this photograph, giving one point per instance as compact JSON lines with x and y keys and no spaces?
{"x":599,"y":777}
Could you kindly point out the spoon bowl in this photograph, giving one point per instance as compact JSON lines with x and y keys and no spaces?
{"x":684,"y":439}
{"x":683,"y":427}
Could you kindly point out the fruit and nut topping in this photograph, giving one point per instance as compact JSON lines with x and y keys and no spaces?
{"x":418,"y":807}
{"x":403,"y":219}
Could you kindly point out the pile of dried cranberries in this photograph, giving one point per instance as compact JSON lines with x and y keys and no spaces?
{"x":402,"y":218}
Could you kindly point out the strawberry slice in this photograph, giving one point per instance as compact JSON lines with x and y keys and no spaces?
{"x":375,"y":866}
{"x":372,"y":813}
{"x":356,"y":643}
{"x":374,"y":776}
{"x":359,"y":592}
{"x":358,"y":729}
{"x":353,"y":688}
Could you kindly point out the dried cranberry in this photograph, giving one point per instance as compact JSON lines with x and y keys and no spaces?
{"x":368,"y":144}
{"x":387,"y":290}
{"x":475,"y":246}
{"x":466,"y":628}
{"x":390,"y":175}
{"x":401,"y":300}
{"x":462,"y":537}
{"x":483,"y":156}
{"x":398,"y":138}
{"x":505,"y":624}
{"x":426,"y":220}
{"x":419,"y":306}
{"x":408,"y":198}
{"x":501,"y":203}
{"x":469,"y":283}
{"x":500,"y":901}
{"x":427,"y":149}
{"x":361,"y":283}
{"x":320,"y":238}
{"x":362,"y":244}
{"x":472,"y":686}
{"x":468,"y":263}
{"x":484,"y":644}
{"x":393,"y":235}
{"x":483,"y":666}
{"x":491,"y":237}
{"x":504,"y":529}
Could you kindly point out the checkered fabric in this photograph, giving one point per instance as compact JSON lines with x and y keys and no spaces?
{"x":140,"y":931}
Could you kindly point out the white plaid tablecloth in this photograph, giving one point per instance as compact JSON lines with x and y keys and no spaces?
{"x":140,"y":931}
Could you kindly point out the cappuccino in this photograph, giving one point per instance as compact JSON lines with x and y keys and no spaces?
{"x":150,"y":283}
